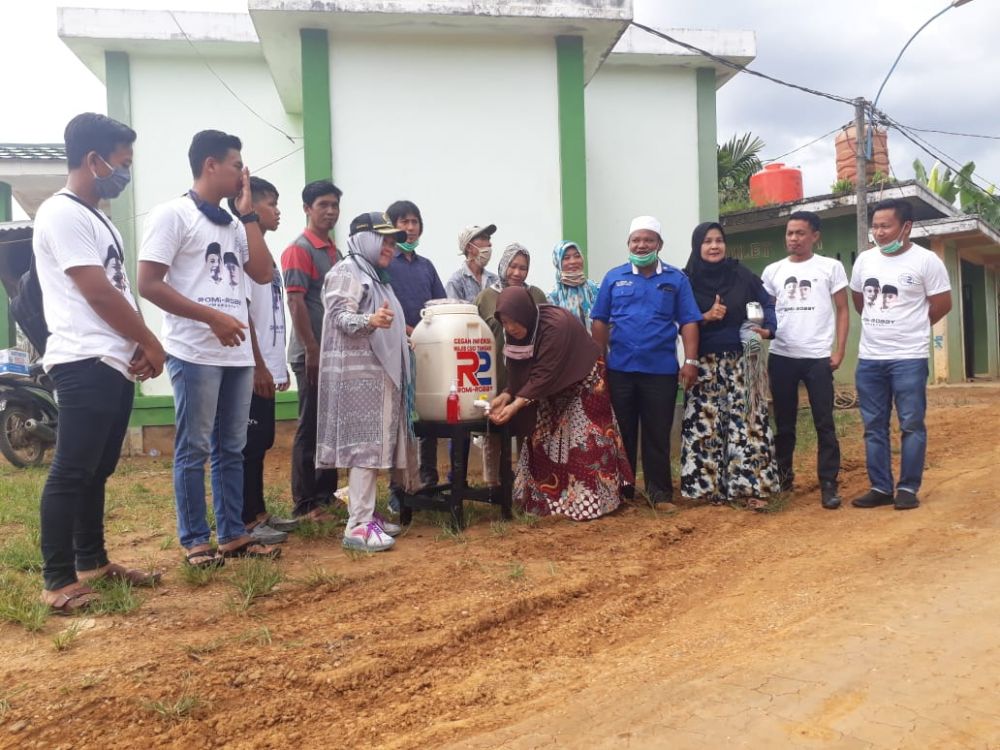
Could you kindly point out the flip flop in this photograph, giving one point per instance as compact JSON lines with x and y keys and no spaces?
{"x":212,"y":559}
{"x":253,"y":550}
{"x":132,"y":575}
{"x":73,"y":601}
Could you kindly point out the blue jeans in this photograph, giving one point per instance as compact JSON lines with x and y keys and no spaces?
{"x":879,"y":384}
{"x":212,"y":405}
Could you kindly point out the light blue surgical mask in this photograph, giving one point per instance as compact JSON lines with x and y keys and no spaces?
{"x":111,"y":187}
{"x":408,"y":247}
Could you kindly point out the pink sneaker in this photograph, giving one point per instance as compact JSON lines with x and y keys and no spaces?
{"x":368,"y":537}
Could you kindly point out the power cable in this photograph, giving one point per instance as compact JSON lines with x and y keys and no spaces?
{"x":226,"y":86}
{"x":804,"y":145}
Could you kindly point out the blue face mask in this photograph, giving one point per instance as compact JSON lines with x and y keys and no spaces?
{"x":111,"y":187}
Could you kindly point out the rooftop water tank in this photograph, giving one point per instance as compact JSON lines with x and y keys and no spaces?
{"x":776,"y":183}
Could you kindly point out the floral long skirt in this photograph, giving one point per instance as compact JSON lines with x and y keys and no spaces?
{"x":574,"y":463}
{"x":726,"y":451}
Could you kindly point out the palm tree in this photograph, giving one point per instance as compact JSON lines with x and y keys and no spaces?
{"x":738,"y":160}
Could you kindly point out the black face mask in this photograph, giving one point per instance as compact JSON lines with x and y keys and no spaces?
{"x":215,"y":214}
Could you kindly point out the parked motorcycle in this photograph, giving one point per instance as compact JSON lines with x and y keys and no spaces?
{"x":28,"y":416}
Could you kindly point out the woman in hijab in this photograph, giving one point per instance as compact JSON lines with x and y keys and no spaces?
{"x":574,"y":291}
{"x":573,"y":463}
{"x":365,"y":374}
{"x":726,"y":444}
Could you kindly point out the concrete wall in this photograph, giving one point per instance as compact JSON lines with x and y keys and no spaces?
{"x":642,"y":158}
{"x":172,"y":99}
{"x":479,"y":145}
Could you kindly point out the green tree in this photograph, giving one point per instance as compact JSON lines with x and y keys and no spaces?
{"x":958,"y":187}
{"x":738,"y":159}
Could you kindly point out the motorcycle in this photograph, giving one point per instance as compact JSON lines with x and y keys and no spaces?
{"x":28,"y":416}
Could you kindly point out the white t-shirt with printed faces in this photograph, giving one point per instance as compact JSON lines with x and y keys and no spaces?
{"x":267,"y":311}
{"x":803,"y":304}
{"x":67,"y":235}
{"x":894,"y":313}
{"x":205,"y":265}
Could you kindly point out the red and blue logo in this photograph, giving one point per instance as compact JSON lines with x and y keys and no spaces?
{"x":472,"y":369}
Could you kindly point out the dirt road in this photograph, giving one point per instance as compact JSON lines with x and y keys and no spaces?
{"x":708,"y":628}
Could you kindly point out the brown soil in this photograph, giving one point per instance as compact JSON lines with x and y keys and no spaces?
{"x":706,"y":628}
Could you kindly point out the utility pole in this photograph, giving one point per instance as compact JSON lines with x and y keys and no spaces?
{"x":861,"y":173}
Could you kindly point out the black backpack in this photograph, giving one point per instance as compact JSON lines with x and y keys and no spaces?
{"x":26,"y":308}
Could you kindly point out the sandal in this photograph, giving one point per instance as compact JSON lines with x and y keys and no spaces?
{"x":120,"y":572}
{"x":212,"y":559}
{"x":756,"y":504}
{"x":72,"y":601}
{"x":252,"y":550}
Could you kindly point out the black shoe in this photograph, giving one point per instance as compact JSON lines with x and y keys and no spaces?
{"x":872,"y":499}
{"x":829,"y":498}
{"x":787,"y":482}
{"x":906,"y":500}
{"x":395,"y":501}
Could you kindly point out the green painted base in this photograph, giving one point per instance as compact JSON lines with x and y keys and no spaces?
{"x":158,"y":411}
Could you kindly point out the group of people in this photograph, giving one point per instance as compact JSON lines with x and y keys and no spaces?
{"x":588,"y":370}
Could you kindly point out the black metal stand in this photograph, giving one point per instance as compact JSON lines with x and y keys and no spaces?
{"x":449,"y":497}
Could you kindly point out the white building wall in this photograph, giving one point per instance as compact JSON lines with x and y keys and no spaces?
{"x":172,"y":99}
{"x":642,"y":158}
{"x":479,"y":145}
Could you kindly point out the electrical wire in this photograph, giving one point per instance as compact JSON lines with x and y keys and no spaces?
{"x":952,"y":132}
{"x":227,"y":87}
{"x":739,"y":67}
{"x":804,"y":145}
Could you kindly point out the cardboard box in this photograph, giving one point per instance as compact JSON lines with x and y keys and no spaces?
{"x":13,"y":361}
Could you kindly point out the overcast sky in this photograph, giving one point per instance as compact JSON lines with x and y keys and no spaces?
{"x":947,"y":80}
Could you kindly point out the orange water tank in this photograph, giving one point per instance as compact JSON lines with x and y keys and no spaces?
{"x":776,"y":183}
{"x":846,"y":154}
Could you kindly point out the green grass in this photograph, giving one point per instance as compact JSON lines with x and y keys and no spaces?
{"x":62,"y":640}
{"x":516,"y":571}
{"x":22,"y":552}
{"x":499,"y":528}
{"x":318,"y":577}
{"x":525,"y":519}
{"x":252,"y":580}
{"x":196,"y":576}
{"x":118,"y":597}
{"x":19,"y":601}
{"x":449,"y":533}
{"x":5,"y":704}
{"x":179,"y":710}
{"x":261,"y":636}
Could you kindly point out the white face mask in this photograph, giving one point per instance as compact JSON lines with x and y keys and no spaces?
{"x":485,"y":253}
{"x":519,"y":351}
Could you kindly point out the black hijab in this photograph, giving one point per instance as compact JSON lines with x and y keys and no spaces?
{"x":727,"y":278}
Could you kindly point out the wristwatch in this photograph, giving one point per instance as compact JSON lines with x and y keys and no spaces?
{"x":691,"y":362}
{"x":250,"y":218}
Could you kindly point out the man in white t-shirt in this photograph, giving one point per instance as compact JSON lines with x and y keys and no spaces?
{"x":270,"y":374}
{"x":209,"y":357}
{"x":801,"y":350}
{"x":97,"y":347}
{"x":895,"y":343}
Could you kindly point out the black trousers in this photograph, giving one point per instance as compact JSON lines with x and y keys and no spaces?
{"x":95,"y":402}
{"x":645,"y":404}
{"x":785,"y":374}
{"x":311,"y":487}
{"x":260,"y":439}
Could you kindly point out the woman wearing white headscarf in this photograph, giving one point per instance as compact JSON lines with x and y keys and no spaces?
{"x":365,"y":374}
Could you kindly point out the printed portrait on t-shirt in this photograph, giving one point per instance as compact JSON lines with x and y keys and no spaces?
{"x":791,"y":285}
{"x":805,"y":288}
{"x":890,"y":295}
{"x":870,"y":291}
{"x":232,"y":269}
{"x":113,"y":268}
{"x":213,"y":259}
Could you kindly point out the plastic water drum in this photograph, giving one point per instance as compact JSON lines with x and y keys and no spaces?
{"x":452,"y":343}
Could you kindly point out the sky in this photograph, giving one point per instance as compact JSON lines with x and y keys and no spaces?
{"x":946,"y":80}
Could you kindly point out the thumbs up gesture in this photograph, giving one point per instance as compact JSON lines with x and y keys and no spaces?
{"x":381,"y":318}
{"x":717,"y":311}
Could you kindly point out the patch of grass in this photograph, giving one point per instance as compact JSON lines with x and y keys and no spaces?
{"x":196,"y":577}
{"x":200,"y":649}
{"x":19,"y":602}
{"x":311,"y":530}
{"x":168,"y":542}
{"x":22,"y":552}
{"x":525,"y":519}
{"x":179,"y":710}
{"x":63,"y":640}
{"x":118,"y":597}
{"x":499,"y":528}
{"x":778,"y":503}
{"x":448,"y":532}
{"x":319,"y":577}
{"x":261,"y":636}
{"x":5,"y":701}
{"x":516,"y":571}
{"x":252,"y":580}
{"x":357,"y":555}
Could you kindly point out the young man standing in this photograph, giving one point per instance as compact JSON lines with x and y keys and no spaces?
{"x":270,"y":374}
{"x":892,"y":355}
{"x":210,"y":360}
{"x":467,"y":282}
{"x":801,"y":350}
{"x":98,"y":346}
{"x":305,"y":264}
{"x":414,"y":281}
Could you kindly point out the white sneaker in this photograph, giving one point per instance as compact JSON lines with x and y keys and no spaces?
{"x":368,"y":537}
{"x":390,"y":528}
